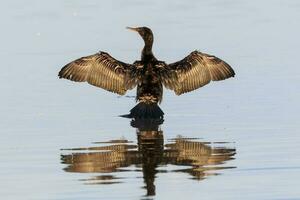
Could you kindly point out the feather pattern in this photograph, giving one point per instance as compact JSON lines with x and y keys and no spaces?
{"x":195,"y":71}
{"x":101,"y":70}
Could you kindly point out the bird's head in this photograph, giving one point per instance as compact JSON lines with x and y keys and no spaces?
{"x":144,"y":32}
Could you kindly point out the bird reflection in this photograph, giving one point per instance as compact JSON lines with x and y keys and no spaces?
{"x":150,"y":155}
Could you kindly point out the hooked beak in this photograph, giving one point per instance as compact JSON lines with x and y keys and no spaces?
{"x":133,"y":29}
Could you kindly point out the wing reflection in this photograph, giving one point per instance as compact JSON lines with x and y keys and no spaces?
{"x":199,"y":159}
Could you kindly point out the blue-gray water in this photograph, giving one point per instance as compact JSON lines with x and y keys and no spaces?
{"x":256,"y":113}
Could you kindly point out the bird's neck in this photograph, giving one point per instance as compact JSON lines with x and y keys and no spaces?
{"x":147,"y":50}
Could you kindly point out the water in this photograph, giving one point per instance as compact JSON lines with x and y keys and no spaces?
{"x":52,"y":131}
{"x":124,"y":160}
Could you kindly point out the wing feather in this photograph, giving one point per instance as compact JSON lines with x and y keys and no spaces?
{"x":100,"y":70}
{"x":195,"y":71}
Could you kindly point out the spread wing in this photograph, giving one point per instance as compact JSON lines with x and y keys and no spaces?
{"x":100,"y":70}
{"x":197,"y":70}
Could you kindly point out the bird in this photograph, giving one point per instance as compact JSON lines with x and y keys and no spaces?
{"x":148,"y":74}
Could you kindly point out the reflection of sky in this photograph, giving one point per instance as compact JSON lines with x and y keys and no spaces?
{"x":258,"y":109}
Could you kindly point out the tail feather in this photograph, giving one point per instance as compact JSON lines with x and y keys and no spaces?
{"x":145,"y":111}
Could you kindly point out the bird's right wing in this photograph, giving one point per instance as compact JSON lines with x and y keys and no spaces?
{"x":101,"y":70}
{"x":196,"y":70}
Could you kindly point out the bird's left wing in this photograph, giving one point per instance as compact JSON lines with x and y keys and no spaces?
{"x":101,"y":70}
{"x":194,"y":71}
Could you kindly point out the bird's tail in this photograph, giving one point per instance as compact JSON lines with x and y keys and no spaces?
{"x":145,"y":111}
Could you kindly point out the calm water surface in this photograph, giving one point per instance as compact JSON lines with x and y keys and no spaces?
{"x":236,"y":139}
{"x":147,"y":158}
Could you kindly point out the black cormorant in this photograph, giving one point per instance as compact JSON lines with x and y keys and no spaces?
{"x":148,"y":74}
